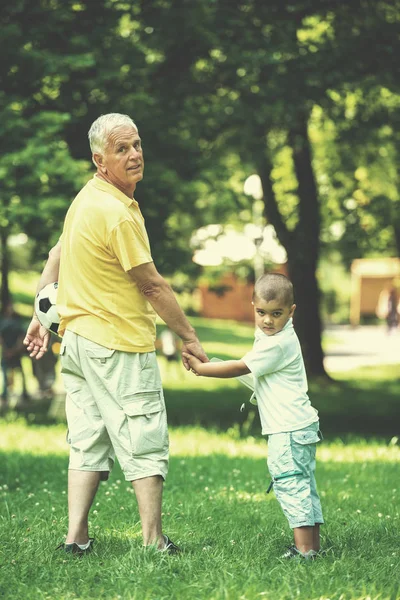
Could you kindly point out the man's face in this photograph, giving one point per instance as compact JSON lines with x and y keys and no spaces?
{"x":122,"y":162}
{"x":271,"y":317}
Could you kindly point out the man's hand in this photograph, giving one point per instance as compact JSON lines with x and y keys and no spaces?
{"x":36,"y":339}
{"x":194,"y":363}
{"x":195,"y":349}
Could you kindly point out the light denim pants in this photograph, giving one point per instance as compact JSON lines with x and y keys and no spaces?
{"x":291,"y":463}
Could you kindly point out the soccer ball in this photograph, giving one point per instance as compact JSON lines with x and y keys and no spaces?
{"x":45,"y":307}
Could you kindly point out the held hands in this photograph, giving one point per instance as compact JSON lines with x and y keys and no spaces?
{"x":193,"y":362}
{"x":193,"y":349}
{"x":36,"y":339}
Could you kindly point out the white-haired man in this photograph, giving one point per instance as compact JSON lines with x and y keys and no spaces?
{"x":108,"y":296}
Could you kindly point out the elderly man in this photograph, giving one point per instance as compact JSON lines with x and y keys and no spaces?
{"x":108,"y":296}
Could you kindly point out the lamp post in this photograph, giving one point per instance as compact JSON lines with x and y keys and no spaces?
{"x":252,"y":187}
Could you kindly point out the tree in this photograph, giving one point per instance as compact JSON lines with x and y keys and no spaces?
{"x":38,"y":174}
{"x":234,"y":87}
{"x":266,"y":66}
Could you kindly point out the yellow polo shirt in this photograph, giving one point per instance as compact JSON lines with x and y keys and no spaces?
{"x":104,"y":236}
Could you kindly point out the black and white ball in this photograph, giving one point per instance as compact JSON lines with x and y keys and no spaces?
{"x":45,"y":307}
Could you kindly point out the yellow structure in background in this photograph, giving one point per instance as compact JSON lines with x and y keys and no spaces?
{"x":369,"y":276}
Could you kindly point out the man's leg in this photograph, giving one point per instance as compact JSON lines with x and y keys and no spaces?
{"x":149,"y":498}
{"x":82,"y":488}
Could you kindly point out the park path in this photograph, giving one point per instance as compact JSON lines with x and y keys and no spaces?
{"x":352,"y":347}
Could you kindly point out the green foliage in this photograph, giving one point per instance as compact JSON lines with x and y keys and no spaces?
{"x":229,"y":90}
{"x":40,"y":178}
{"x":208,"y":108}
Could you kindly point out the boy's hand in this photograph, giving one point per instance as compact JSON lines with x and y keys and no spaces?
{"x":195,"y":349}
{"x":193,"y":361}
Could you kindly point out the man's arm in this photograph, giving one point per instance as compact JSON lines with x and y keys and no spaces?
{"x":37,"y":337}
{"x":161,"y":297}
{"x":222,"y":369}
{"x":51,"y":268}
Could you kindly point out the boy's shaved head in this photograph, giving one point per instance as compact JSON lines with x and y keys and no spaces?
{"x":274,"y":286}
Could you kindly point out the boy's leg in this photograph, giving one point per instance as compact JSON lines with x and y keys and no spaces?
{"x":291,"y":462}
{"x":307,"y":538}
{"x":304,"y":538}
{"x":316,"y":503}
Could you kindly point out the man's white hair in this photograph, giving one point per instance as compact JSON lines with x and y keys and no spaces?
{"x":102,"y":127}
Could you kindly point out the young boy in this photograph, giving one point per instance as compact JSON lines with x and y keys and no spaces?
{"x":286,"y":414}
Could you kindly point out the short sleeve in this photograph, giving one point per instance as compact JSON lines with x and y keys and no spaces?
{"x":263,"y":360}
{"x":130,"y":244}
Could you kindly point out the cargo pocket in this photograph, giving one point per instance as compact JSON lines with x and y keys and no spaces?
{"x":149,"y":373}
{"x":99,"y":354}
{"x":147,"y":421}
{"x":100,"y":361}
{"x":305,"y":437}
{"x":282,"y":477}
{"x":303,"y":444}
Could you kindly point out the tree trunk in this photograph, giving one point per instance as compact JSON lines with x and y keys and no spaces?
{"x":306,"y":317}
{"x":303,"y":255}
{"x":5,"y":296}
{"x":301,"y":245}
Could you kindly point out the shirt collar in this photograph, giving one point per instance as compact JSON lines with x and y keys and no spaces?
{"x":288,"y":325}
{"x":100,"y":184}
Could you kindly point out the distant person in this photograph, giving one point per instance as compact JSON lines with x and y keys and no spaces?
{"x":44,"y":371}
{"x":12,"y":333}
{"x":169,"y":345}
{"x":286,"y":414}
{"x":388,"y":307}
{"x":109,"y":294}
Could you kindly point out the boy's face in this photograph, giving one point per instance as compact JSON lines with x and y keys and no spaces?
{"x":271,"y":317}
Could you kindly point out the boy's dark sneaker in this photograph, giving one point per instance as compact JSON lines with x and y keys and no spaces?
{"x":293,"y":552}
{"x":170,"y":547}
{"x":75,"y":549}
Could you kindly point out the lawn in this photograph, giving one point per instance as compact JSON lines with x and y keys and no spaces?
{"x":215,"y":507}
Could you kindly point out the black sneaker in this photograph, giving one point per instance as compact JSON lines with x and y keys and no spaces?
{"x":170,"y":547}
{"x":293,"y":552}
{"x":75,"y":549}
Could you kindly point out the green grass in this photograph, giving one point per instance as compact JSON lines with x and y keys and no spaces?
{"x":215,"y":506}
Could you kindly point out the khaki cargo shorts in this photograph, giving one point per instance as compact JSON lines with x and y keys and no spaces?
{"x":291,"y":463}
{"x":115,"y":407}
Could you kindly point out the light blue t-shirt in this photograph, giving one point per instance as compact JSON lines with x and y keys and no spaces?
{"x":277,"y":365}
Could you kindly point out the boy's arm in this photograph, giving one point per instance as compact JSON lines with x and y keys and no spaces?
{"x":222,"y":369}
